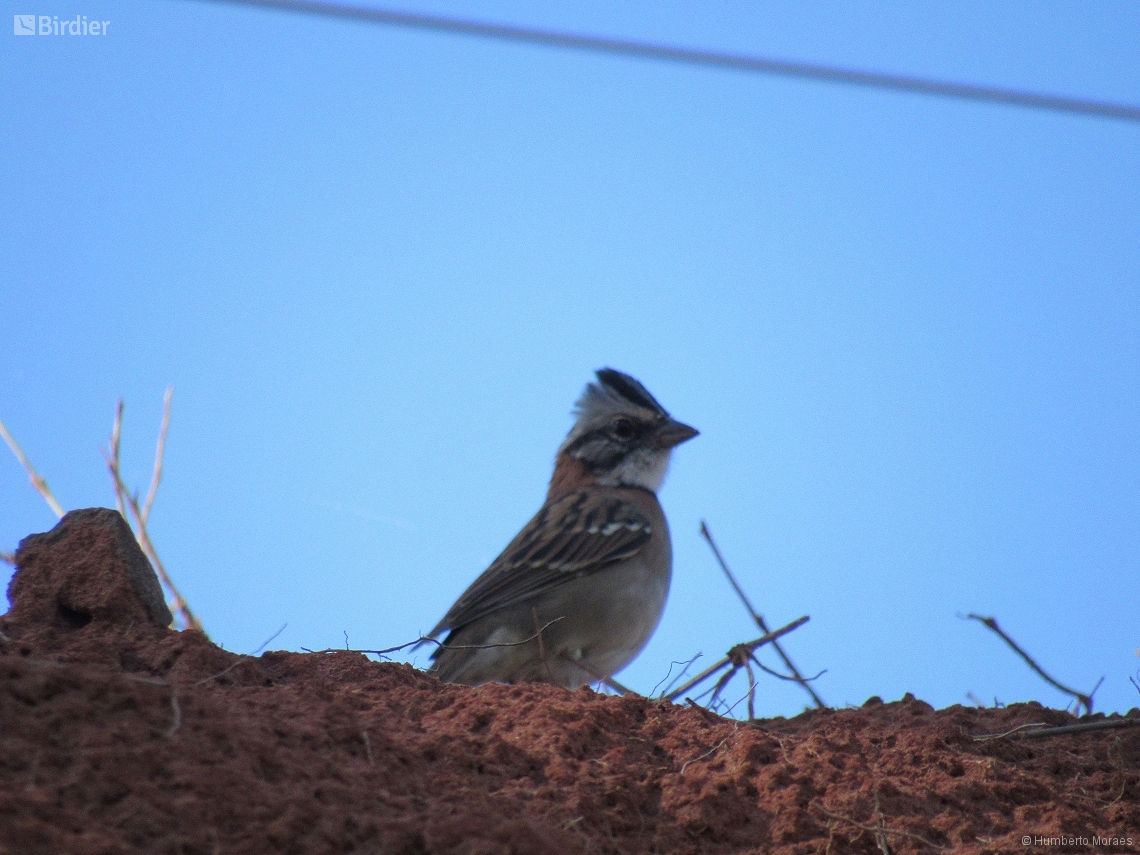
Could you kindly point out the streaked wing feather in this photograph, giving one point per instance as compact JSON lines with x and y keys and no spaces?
{"x":575,"y":535}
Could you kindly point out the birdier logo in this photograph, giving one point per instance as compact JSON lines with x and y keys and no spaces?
{"x":51,"y":25}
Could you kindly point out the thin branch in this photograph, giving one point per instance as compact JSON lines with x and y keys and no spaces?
{"x":748,"y":645}
{"x":125,"y":499}
{"x":1042,"y":730}
{"x":179,"y":602}
{"x":992,"y":625}
{"x":611,"y":683}
{"x":880,"y":827}
{"x":706,"y":693}
{"x":774,"y":673}
{"x":37,"y":480}
{"x":424,"y":639}
{"x":876,"y":829}
{"x":708,"y":753}
{"x":604,"y":679}
{"x":983,"y":737}
{"x":541,"y":646}
{"x":269,"y":640}
{"x":724,"y":680}
{"x":680,"y":674}
{"x":176,"y":711}
{"x":116,"y":435}
{"x":242,"y":658}
{"x":707,"y":715}
{"x":158,"y":452}
{"x":736,"y":703}
{"x":707,"y":535}
{"x":8,"y":558}
{"x":796,"y":676}
{"x":751,"y":688}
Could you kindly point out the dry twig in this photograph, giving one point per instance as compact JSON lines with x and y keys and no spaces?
{"x":707,"y":754}
{"x":37,"y":480}
{"x":760,"y":622}
{"x":176,"y":710}
{"x":241,"y":658}
{"x":541,"y":646}
{"x":707,"y":715}
{"x":423,"y":639}
{"x":606,"y":680}
{"x":880,"y":827}
{"x":116,"y":436}
{"x":1082,"y":699}
{"x":141,"y":514}
{"x":158,"y":453}
{"x":669,"y":673}
{"x":768,"y":638}
{"x":876,"y":829}
{"x":1043,"y":730}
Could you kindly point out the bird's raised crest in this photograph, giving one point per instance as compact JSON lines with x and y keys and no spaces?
{"x":615,"y":387}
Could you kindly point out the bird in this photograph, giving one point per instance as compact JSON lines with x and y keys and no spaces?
{"x":578,"y":592}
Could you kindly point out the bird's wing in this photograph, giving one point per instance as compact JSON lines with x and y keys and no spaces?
{"x":572,"y":536}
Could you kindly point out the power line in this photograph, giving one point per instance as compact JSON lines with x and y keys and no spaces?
{"x":710,"y":59}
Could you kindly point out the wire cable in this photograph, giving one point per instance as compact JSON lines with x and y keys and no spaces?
{"x":711,"y":59}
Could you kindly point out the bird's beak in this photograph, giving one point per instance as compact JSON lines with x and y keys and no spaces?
{"x":673,"y":433}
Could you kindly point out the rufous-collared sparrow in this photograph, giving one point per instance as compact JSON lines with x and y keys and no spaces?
{"x":578,"y":592}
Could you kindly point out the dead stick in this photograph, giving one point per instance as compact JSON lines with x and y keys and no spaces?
{"x":158,"y":452}
{"x":719,"y":687}
{"x":749,"y":645}
{"x":1042,"y":730}
{"x":180,"y":604}
{"x":773,"y":672}
{"x":992,"y":624}
{"x":140,"y":516}
{"x":751,"y":690}
{"x":599,"y":676}
{"x":37,"y":480}
{"x":760,"y":622}
{"x":424,"y":639}
{"x":541,"y":646}
{"x":873,"y":829}
{"x":116,"y":436}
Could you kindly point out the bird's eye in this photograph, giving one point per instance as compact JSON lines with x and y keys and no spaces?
{"x":623,"y":429}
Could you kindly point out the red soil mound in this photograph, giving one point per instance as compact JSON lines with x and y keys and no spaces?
{"x":119,"y":735}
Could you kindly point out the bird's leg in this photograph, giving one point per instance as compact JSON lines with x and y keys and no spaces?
{"x":541,"y":646}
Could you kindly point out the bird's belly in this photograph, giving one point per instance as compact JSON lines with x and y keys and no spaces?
{"x":585,"y":629}
{"x":603,"y":620}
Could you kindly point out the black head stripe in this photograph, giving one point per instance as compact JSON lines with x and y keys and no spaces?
{"x":597,"y":450}
{"x":628,"y":388}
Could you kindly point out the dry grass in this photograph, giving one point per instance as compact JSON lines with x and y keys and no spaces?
{"x":137,"y":515}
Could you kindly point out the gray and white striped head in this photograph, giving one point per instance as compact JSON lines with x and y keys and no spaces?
{"x":621,"y":434}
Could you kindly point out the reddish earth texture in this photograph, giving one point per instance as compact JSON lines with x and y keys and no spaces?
{"x":119,"y":735}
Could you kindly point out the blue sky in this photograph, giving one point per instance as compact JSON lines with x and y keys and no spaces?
{"x":378,"y":266}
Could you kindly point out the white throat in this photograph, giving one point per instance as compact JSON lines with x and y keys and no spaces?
{"x":643,"y":468}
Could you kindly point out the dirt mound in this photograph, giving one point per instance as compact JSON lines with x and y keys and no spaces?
{"x":119,"y":735}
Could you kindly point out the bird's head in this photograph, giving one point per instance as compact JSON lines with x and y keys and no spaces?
{"x":621,"y":436}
